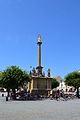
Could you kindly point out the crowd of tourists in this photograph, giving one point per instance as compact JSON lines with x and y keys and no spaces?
{"x":56,"y":94}
{"x":62,"y":95}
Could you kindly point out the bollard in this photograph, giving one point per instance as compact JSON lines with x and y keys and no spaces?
{"x":7,"y":98}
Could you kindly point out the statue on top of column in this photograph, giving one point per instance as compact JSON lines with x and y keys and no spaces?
{"x":39,"y":38}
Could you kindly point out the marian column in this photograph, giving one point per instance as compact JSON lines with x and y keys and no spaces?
{"x":39,"y":68}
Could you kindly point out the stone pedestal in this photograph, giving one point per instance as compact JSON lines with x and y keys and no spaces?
{"x":40,"y":85}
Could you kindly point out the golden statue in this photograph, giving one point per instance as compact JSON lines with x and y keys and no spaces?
{"x":39,"y":38}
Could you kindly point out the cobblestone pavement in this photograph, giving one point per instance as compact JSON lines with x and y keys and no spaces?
{"x":39,"y":110}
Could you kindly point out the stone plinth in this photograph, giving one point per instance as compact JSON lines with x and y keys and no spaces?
{"x":40,"y":85}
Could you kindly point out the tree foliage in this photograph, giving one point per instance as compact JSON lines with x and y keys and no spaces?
{"x":0,"y":79}
{"x":73,"y":79}
{"x":13,"y":77}
{"x":55,"y":83}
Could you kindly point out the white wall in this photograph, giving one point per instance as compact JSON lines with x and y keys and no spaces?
{"x":5,"y":93}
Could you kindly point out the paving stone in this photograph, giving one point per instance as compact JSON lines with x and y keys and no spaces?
{"x":39,"y":110}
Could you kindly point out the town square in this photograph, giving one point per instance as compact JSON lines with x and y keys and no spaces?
{"x":40,"y":110}
{"x":39,"y":60}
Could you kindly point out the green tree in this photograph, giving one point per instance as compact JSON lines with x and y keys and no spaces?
{"x":55,"y":83}
{"x":73,"y":79}
{"x":13,"y":77}
{"x":0,"y":79}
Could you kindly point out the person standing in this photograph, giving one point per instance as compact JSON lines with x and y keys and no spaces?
{"x":63,"y":94}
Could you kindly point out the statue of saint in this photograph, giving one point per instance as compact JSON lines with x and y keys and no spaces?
{"x":48,"y":72}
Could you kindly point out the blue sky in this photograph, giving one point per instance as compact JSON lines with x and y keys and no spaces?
{"x":58,"y":22}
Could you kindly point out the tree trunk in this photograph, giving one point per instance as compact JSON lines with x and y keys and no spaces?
{"x":14,"y":96}
{"x":8,"y":92}
{"x":78,"y":92}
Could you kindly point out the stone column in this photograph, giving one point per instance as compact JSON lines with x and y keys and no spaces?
{"x":39,"y":53}
{"x":39,"y":68}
